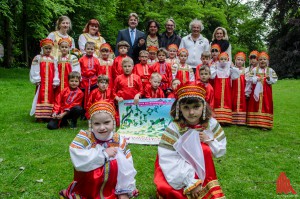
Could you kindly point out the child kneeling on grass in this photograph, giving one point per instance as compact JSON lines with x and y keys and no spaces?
{"x":67,"y":104}
{"x":184,"y":167}
{"x":103,"y":163}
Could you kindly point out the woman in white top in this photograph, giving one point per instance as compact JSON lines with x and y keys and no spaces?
{"x":91,"y":33}
{"x":63,"y":26}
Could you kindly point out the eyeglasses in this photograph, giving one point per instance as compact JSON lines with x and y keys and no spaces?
{"x":169,"y":25}
{"x":214,"y":51}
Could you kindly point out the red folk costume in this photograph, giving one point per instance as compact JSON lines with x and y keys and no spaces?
{"x":173,"y":61}
{"x":149,"y":92}
{"x":185,"y":73}
{"x":164,"y":69}
{"x":175,"y":176}
{"x":210,"y":95}
{"x":239,"y":105}
{"x":44,"y":72}
{"x":127,"y":86}
{"x":90,"y":70}
{"x":96,"y":175}
{"x":98,"y":95}
{"x":67,"y":99}
{"x":144,"y":71}
{"x":222,"y":74}
{"x":106,"y":65}
{"x":117,"y":68}
{"x":260,"y":107}
{"x":66,"y":65}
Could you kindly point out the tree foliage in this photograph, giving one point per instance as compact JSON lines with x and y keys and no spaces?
{"x":27,"y":21}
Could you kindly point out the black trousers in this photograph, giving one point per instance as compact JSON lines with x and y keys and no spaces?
{"x":74,"y":113}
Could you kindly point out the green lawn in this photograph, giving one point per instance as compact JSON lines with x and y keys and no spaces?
{"x":250,"y":168}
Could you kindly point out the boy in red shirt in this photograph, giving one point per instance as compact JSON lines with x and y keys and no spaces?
{"x":103,"y":93}
{"x":163,"y":68}
{"x":67,"y":104}
{"x":153,"y":90}
{"x":90,"y":69}
{"x":142,"y":69}
{"x":117,"y":68}
{"x":128,"y":85}
{"x":205,"y":59}
{"x":204,"y":79}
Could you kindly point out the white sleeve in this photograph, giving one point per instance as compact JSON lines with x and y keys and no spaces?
{"x":182,"y":43}
{"x":248,"y":87}
{"x":253,"y":77}
{"x":234,"y":73}
{"x":191,"y":74}
{"x":126,"y":171}
{"x":81,"y":43}
{"x":216,"y":132}
{"x":75,"y":64}
{"x":228,"y":51}
{"x":178,"y":173}
{"x":51,"y":36}
{"x":87,"y":159}
{"x":213,"y":72}
{"x":34,"y":74}
{"x":273,"y":76}
{"x":56,"y":75}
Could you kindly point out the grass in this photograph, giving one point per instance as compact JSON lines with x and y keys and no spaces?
{"x":250,"y":168}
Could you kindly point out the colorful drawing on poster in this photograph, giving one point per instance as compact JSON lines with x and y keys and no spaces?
{"x":144,"y":123}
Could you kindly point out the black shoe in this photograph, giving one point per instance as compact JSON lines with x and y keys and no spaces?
{"x":73,"y":125}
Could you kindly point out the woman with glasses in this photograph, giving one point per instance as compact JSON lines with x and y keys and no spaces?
{"x":169,"y":36}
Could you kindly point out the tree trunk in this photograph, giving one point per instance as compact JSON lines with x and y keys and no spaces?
{"x":8,"y":58}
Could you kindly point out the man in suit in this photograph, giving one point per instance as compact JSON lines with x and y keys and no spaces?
{"x":130,"y":34}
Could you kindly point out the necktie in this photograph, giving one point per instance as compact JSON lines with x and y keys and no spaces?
{"x":132,"y":36}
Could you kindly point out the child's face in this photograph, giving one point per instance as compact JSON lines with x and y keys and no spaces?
{"x":175,"y":84}
{"x":183,"y":57}
{"x":161,"y":56}
{"x":74,"y":83}
{"x":192,"y":112}
{"x":155,"y":82}
{"x":223,"y":59}
{"x":104,"y":53}
{"x":204,"y":75}
{"x":215,"y":53}
{"x":64,"y":25}
{"x":205,"y":60}
{"x":64,"y":48}
{"x":102,"y":85}
{"x":253,"y":60}
{"x":89,"y":49}
{"x":172,"y":53}
{"x":102,"y":125}
{"x":263,"y":62}
{"x":239,"y":62}
{"x":123,"y":50}
{"x":47,"y":50}
{"x":143,"y":58}
{"x":127,"y":68}
{"x":152,"y":55}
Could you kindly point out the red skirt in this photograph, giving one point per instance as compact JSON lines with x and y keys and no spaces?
{"x":211,"y":187}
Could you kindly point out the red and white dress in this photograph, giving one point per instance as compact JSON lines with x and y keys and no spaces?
{"x":44,"y":71}
{"x":97,"y":176}
{"x":260,"y":107}
{"x":222,"y":88}
{"x":184,"y":73}
{"x":175,"y":176}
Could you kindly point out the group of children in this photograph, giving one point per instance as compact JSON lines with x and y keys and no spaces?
{"x":67,"y":88}
{"x":236,"y":94}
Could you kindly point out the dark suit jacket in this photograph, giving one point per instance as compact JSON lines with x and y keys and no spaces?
{"x":124,"y":35}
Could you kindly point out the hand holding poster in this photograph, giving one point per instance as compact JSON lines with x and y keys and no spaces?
{"x":144,"y":123}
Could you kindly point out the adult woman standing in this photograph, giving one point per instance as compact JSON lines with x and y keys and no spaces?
{"x":195,"y":43}
{"x":63,"y":26}
{"x":151,"y":39}
{"x":91,"y":33}
{"x":220,"y":37}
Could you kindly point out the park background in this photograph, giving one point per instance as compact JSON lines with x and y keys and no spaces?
{"x":254,"y":158}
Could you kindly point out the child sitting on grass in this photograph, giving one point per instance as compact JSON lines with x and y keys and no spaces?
{"x":103,"y":165}
{"x":185,"y":167}
{"x":67,"y":104}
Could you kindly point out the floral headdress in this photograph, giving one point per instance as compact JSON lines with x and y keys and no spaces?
{"x":67,"y":40}
{"x":46,"y":42}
